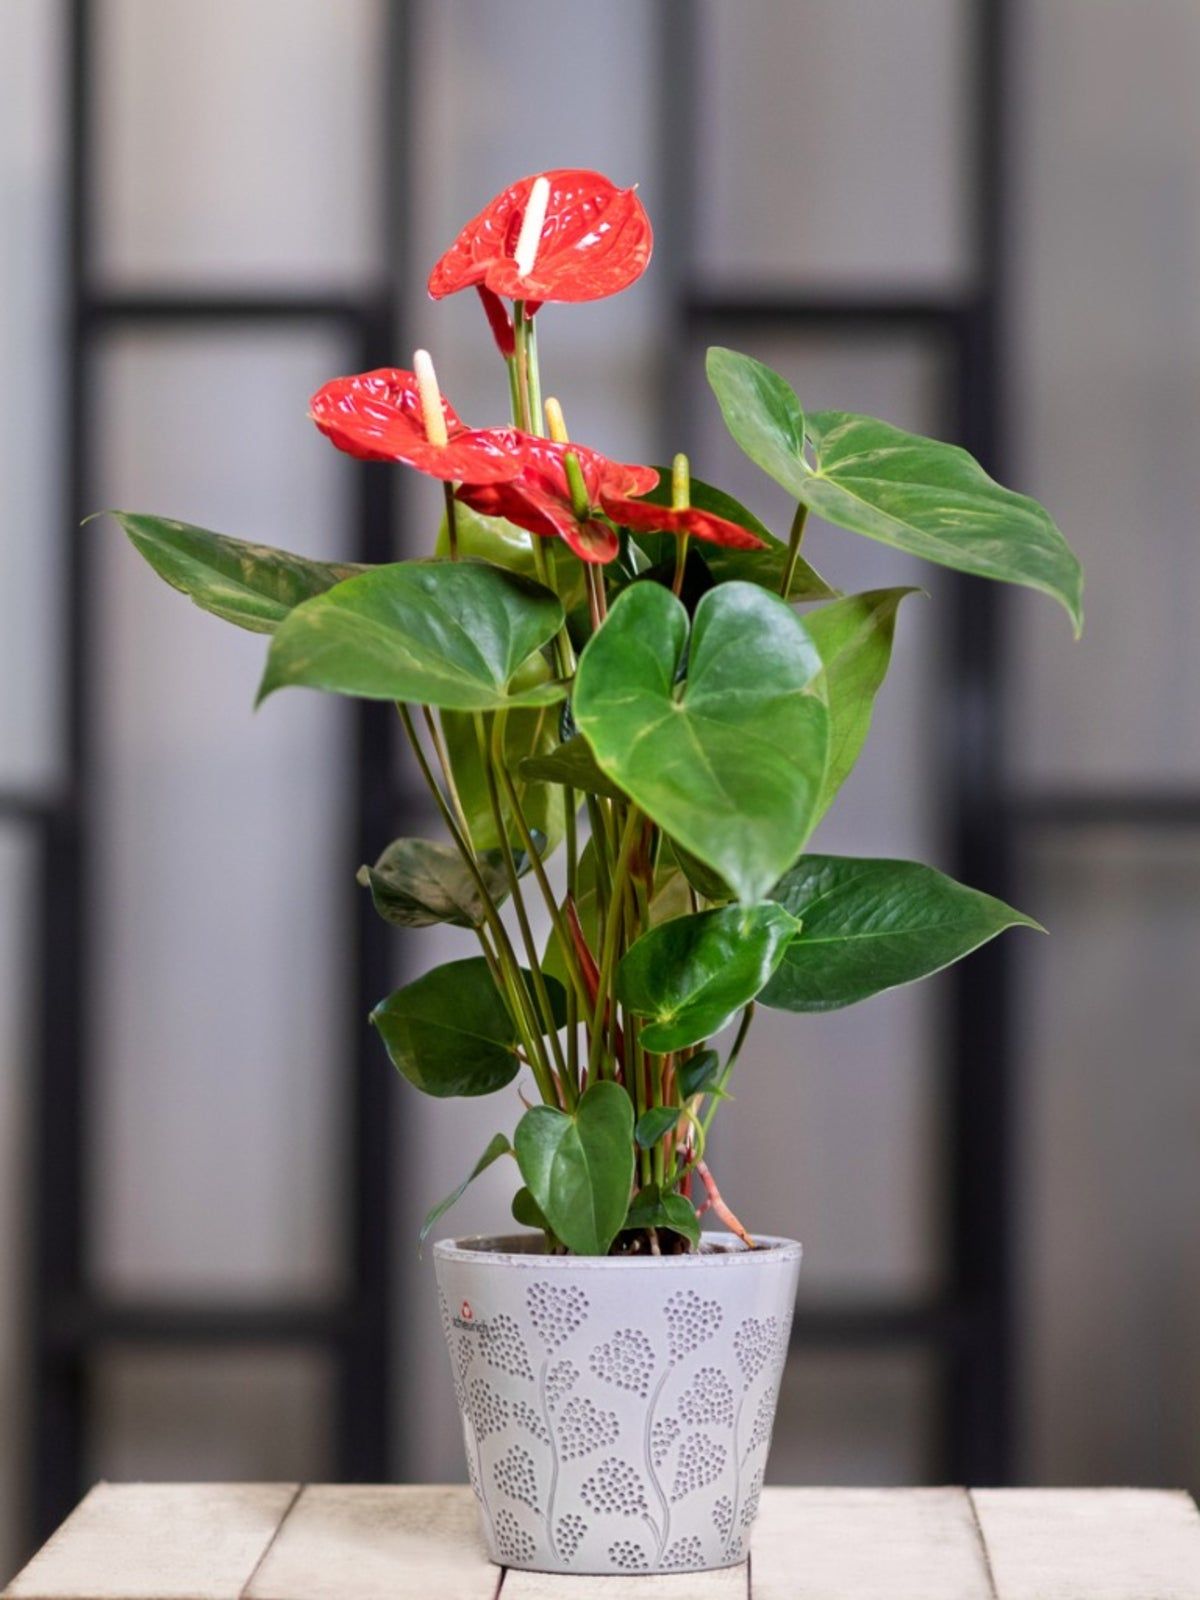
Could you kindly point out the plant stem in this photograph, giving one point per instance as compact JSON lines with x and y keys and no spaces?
{"x":611,"y":938}
{"x":681,"y":550}
{"x":451,"y":520}
{"x":794,"y":537}
{"x":739,"y":1040}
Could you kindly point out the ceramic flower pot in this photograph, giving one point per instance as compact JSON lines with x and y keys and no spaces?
{"x":617,"y":1411}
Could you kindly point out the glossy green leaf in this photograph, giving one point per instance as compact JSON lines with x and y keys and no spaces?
{"x":419,"y":882}
{"x":251,"y":585}
{"x":450,"y":1032}
{"x":854,"y":639}
{"x":578,"y":1166}
{"x":526,"y":1211}
{"x":528,"y":731}
{"x":571,"y":762}
{"x":698,"y":1075}
{"x":931,"y":499}
{"x":764,"y":567}
{"x":505,"y":545}
{"x":732,"y":765}
{"x":498,"y":1146}
{"x":449,"y":634}
{"x":650,"y":1208}
{"x":690,"y":976}
{"x":703,"y":879}
{"x":871,"y":925}
{"x":653,"y":1124}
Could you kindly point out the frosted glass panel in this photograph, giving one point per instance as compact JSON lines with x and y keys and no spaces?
{"x":236,"y":143}
{"x":832,"y":142}
{"x":1109,"y":345}
{"x":221,"y":851}
{"x":1111,"y":1186}
{"x":856,"y":1418}
{"x":18,"y":947}
{"x":30,"y":459}
{"x":833,"y":1134}
{"x":192,"y":1416}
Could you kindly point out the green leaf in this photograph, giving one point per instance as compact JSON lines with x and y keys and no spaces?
{"x":689,"y":976}
{"x":650,"y":1208}
{"x":450,"y":1032}
{"x":419,"y":882}
{"x":525,"y":1210}
{"x":497,"y":1146}
{"x":578,"y":1166}
{"x":251,"y":585}
{"x":698,"y":1075}
{"x":528,"y":731}
{"x":450,"y":634}
{"x":854,"y":639}
{"x":569,"y":763}
{"x":764,"y":567}
{"x":703,"y":879}
{"x":932,"y":499}
{"x":653,"y":1124}
{"x":732,"y":766}
{"x":871,"y":925}
{"x":505,"y":545}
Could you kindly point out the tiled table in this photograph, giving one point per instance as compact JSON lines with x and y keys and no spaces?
{"x":289,"y":1541}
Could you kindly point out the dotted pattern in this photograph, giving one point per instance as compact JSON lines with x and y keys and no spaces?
{"x":526,"y":1417}
{"x":723,"y":1516}
{"x":750,"y":1504}
{"x":583,"y":1427}
{"x":568,"y":1534}
{"x":556,"y":1311}
{"x":472,"y":1471}
{"x":709,"y":1399}
{"x":628,"y":1556}
{"x":489,"y":1410}
{"x":662,"y":1436}
{"x":684,"y":1553}
{"x":513,"y":1543}
{"x":690,"y":1321}
{"x":504,"y":1348}
{"x":753,"y":1345}
{"x":515,"y":1476}
{"x":614,"y":1489}
{"x":764,"y":1417}
{"x":560,"y":1380}
{"x":700,"y":1461}
{"x":626,"y":1360}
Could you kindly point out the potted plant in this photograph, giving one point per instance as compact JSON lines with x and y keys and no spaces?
{"x":631,"y":728}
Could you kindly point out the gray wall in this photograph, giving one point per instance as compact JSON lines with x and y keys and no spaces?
{"x":235,"y":142}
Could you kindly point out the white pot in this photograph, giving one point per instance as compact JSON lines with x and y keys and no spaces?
{"x":616,"y":1410}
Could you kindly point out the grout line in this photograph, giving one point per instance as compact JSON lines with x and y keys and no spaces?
{"x":983,"y":1546}
{"x":270,"y":1545}
{"x":499,"y":1583}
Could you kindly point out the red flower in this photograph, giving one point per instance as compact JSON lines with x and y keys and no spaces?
{"x":377,"y":416}
{"x":539,"y":499}
{"x":595,"y":241}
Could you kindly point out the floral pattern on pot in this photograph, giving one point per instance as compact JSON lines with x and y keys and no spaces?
{"x":617,"y":1414}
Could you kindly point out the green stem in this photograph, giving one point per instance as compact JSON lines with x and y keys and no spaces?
{"x":612,"y":932}
{"x":451,"y":520}
{"x":735,"y":1051}
{"x":521,"y":359}
{"x":794,"y":537}
{"x":518,"y":899}
{"x":681,"y":550}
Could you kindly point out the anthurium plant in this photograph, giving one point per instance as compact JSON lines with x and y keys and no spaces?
{"x":620,"y":666}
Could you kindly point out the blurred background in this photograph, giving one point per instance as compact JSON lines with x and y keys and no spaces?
{"x":979,"y":218}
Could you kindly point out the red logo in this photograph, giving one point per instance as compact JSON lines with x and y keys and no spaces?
{"x":465,"y":1312}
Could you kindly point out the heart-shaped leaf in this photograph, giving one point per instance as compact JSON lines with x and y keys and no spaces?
{"x":854,"y":639}
{"x":498,"y":1146}
{"x":449,"y":634}
{"x":731,"y":766}
{"x":571,"y":762}
{"x":650,"y":1208}
{"x":764,"y":567}
{"x":251,"y":585}
{"x":503,"y":544}
{"x":653,"y":1124}
{"x":578,"y":1166}
{"x":450,"y":1032}
{"x":699,"y":1074}
{"x":932,"y":499}
{"x":689,"y":976}
{"x":871,"y":925}
{"x":419,"y":882}
{"x":525,"y":1210}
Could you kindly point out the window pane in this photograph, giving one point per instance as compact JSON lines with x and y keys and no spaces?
{"x":222,"y":878}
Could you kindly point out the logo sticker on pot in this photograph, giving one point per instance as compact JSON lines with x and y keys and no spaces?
{"x":465,"y":1312}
